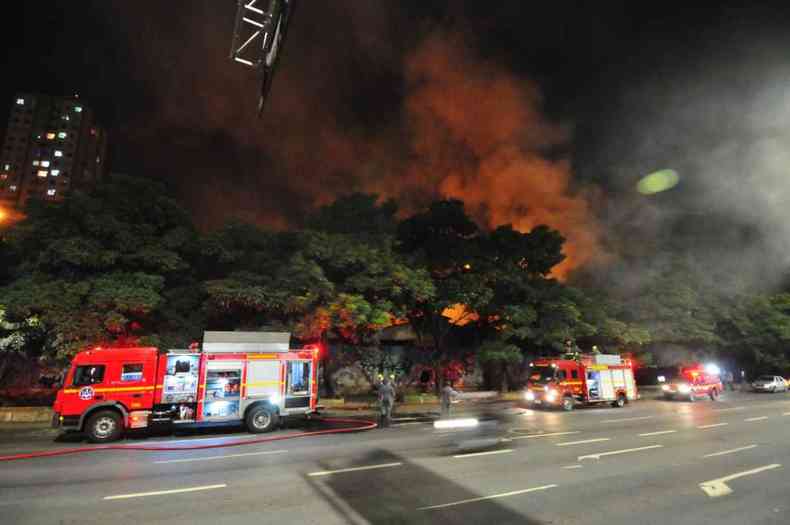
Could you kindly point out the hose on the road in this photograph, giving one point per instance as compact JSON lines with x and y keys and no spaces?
{"x":361,"y":425}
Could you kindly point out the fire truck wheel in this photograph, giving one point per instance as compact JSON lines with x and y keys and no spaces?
{"x":714,"y":394}
{"x":104,"y":426}
{"x":261,"y":419}
{"x":567,"y":403}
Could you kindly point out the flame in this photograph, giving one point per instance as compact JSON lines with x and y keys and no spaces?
{"x":479,"y":135}
{"x":459,"y":314}
{"x":10,"y":216}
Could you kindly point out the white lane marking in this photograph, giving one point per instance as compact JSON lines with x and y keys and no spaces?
{"x":729,"y":409}
{"x":716,"y":488}
{"x":404,"y":419}
{"x":731,"y":451}
{"x":408,"y":423}
{"x":474,"y":454}
{"x":533,"y":436}
{"x":750,"y":419}
{"x":786,"y":414}
{"x":627,"y":419}
{"x":658,"y":433}
{"x":353,"y":469}
{"x":714,"y":425}
{"x":615,"y":452}
{"x":165,"y":492}
{"x":209,"y":458}
{"x":582,"y":442}
{"x":483,"y":498}
{"x":569,"y":467}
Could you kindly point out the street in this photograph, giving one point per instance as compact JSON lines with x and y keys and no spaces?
{"x":654,"y":461}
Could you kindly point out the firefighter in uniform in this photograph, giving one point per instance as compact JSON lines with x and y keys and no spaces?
{"x":448,"y":396}
{"x":386,"y":402}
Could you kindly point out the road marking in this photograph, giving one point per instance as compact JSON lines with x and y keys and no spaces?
{"x":729,"y":409}
{"x":626,"y":419}
{"x":408,"y":423}
{"x":716,"y":488}
{"x":483,"y":498}
{"x":786,"y":414}
{"x":265,"y":453}
{"x":473,"y":454}
{"x":659,"y":433}
{"x":569,"y":467}
{"x":404,"y":419}
{"x":533,"y":436}
{"x":714,"y":425}
{"x":164,"y":492}
{"x":353,"y":469}
{"x":570,"y":443}
{"x":750,"y":419}
{"x":615,"y":452}
{"x":731,"y":451}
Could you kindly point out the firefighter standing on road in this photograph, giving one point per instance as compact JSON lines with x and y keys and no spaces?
{"x":448,"y":396}
{"x":386,"y":402}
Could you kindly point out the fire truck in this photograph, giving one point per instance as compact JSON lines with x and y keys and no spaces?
{"x":695,"y":381}
{"x":254,"y":378}
{"x":580,"y":379}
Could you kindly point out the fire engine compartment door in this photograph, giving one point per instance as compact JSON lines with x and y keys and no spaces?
{"x":630,"y":384}
{"x":298,"y":383}
{"x":607,"y":386}
{"x":263,"y":378}
{"x":223,"y":390}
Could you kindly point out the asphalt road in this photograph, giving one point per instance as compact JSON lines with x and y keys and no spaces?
{"x":725,"y":462}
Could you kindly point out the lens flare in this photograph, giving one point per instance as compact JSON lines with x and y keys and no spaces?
{"x":657,"y":182}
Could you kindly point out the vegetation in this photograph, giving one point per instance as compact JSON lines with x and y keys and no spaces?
{"x":125,"y":265}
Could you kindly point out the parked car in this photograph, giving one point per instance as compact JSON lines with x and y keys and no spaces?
{"x":769,"y":384}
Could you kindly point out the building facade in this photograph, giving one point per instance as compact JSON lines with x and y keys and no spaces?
{"x":52,"y":145}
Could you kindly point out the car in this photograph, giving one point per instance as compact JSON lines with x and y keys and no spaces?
{"x":769,"y":384}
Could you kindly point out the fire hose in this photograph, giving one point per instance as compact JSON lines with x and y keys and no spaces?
{"x":361,"y":425}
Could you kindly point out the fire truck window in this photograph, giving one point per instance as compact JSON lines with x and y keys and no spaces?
{"x":132,"y":372}
{"x":298,"y":378}
{"x":561,"y":375}
{"x":574,"y":374}
{"x":88,"y":375}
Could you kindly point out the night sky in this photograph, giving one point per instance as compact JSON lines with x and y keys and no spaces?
{"x":530,"y":114}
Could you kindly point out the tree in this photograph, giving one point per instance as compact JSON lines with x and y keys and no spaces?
{"x":94,"y":269}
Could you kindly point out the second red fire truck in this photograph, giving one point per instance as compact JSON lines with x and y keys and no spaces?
{"x":695,"y":382}
{"x":581,"y":379}
{"x":253,"y":378}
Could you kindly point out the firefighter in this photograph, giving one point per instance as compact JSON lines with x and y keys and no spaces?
{"x":386,"y":402}
{"x":448,"y":396}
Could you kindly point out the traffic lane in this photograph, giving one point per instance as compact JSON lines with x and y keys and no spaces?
{"x":487,"y":475}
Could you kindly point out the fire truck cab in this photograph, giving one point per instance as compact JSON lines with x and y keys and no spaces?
{"x":253,"y":378}
{"x":579,"y":379}
{"x":694,"y":382}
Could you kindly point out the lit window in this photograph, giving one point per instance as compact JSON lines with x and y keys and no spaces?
{"x":12,"y":188}
{"x":65,"y":117}
{"x":54,"y":173}
{"x":42,"y":173}
{"x":4,"y":176}
{"x":93,"y":131}
{"x":98,"y":160}
{"x":51,"y":192}
{"x":58,"y":153}
{"x":45,"y":164}
{"x":50,"y":136}
{"x":7,"y":167}
{"x":62,"y":135}
{"x":78,"y":109}
{"x":20,"y":101}
{"x":35,"y":163}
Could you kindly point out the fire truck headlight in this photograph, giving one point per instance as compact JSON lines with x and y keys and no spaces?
{"x":684,"y":388}
{"x":551,"y":396}
{"x":529,"y":395}
{"x":712,"y":369}
{"x":665,"y":388}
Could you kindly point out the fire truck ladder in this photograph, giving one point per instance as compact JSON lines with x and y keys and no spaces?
{"x":258,"y":36}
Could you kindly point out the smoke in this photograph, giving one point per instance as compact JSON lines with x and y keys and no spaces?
{"x":479,"y":134}
{"x":358,"y":104}
{"x":722,"y":120}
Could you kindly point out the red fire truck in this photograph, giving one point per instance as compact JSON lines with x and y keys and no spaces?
{"x":695,"y":381}
{"x":249,"y":377}
{"x":581,"y":379}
